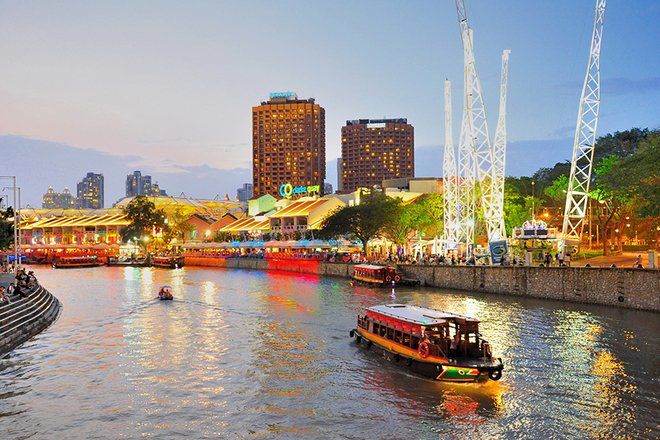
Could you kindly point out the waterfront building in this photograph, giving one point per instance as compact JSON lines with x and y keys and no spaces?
{"x":288,"y":144}
{"x":303,"y":215}
{"x":90,"y":192}
{"x":78,"y":229}
{"x":373,"y":150}
{"x":339,"y":176}
{"x":421,"y":185}
{"x":56,"y":200}
{"x":245,"y":193}
{"x":140,"y":185}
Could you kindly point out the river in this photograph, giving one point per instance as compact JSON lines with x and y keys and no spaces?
{"x":258,"y":355}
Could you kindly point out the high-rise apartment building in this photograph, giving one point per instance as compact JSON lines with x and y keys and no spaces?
{"x":90,"y":192}
{"x":288,"y":145}
{"x":245,"y":193}
{"x":373,"y":150}
{"x":140,"y":185}
{"x":55,"y":200}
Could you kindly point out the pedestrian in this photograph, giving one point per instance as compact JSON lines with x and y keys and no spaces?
{"x":638,"y":262}
{"x":560,"y":259}
{"x":567,"y":259}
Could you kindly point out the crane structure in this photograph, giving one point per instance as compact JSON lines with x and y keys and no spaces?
{"x":477,"y":162}
{"x":499,"y":141}
{"x":450,"y":186}
{"x":585,"y":139}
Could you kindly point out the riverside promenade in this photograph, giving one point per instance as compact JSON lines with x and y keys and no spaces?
{"x":25,"y":317}
{"x":617,"y":287}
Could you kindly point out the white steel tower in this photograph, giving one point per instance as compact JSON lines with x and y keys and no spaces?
{"x":585,"y":138}
{"x":499,"y":142}
{"x":479,"y":135}
{"x":449,"y":188}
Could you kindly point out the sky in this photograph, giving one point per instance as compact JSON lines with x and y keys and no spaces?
{"x":167,"y":87}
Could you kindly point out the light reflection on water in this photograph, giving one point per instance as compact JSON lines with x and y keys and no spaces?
{"x":242,"y":354}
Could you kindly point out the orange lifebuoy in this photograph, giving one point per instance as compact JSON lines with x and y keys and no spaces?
{"x":424,"y":350}
{"x":397,"y":278}
{"x":388,"y":278}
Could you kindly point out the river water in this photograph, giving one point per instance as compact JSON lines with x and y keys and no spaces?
{"x":258,"y":355}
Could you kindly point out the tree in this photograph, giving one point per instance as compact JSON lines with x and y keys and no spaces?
{"x":178,"y":226}
{"x":557,"y":190}
{"x":143,"y":217}
{"x":364,"y":221}
{"x":6,"y":228}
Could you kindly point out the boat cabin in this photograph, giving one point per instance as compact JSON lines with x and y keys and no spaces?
{"x":446,"y":335}
{"x":374,"y":274}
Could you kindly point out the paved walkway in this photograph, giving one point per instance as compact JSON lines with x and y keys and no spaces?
{"x":626,"y":259}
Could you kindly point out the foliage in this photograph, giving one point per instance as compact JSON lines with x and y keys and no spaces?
{"x":429,"y":214}
{"x":177,"y":226}
{"x":364,"y":221}
{"x":6,"y":228}
{"x":143,"y":217}
{"x":557,"y":190}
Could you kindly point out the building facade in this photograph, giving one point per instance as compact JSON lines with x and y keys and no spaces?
{"x":288,"y":144}
{"x":55,"y":200}
{"x":245,"y":193}
{"x":140,"y":185}
{"x":373,"y":150}
{"x":90,"y":192}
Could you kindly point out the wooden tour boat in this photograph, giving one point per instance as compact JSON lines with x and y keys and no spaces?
{"x":429,"y":342}
{"x":171,"y":261}
{"x":79,"y":261}
{"x":375,"y":275}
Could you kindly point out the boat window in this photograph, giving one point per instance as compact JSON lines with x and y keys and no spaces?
{"x":383,"y":330}
{"x":406,"y":339}
{"x":390,"y":333}
{"x":376,"y":328}
{"x":398,"y":337}
{"x":415,"y":343}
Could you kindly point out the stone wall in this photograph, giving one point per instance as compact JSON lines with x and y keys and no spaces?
{"x":628,"y":288}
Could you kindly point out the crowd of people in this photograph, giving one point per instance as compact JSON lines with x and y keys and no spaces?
{"x":25,"y":281}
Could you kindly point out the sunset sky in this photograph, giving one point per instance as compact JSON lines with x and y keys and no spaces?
{"x":171,"y":84}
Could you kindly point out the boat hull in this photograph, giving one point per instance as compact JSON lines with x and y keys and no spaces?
{"x":445,"y":370}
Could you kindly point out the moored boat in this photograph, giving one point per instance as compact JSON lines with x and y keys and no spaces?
{"x":169,"y":261}
{"x":78,"y":261}
{"x":435,"y":344}
{"x":375,"y":275}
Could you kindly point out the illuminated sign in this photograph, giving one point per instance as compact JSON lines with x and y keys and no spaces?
{"x":287,"y":190}
{"x":377,"y":125}
{"x":285,"y":95}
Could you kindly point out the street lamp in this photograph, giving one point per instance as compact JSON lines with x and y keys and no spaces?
{"x":17,"y":212}
{"x":533,"y":213}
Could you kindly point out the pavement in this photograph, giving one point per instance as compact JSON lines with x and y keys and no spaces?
{"x":625,"y":259}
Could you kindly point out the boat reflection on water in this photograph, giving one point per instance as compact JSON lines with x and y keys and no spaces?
{"x":455,"y":405}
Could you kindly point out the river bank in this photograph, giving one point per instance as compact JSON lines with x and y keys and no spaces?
{"x":624,"y":288}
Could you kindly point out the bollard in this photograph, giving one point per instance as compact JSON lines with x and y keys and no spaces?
{"x":528,"y":258}
{"x":653,"y":260}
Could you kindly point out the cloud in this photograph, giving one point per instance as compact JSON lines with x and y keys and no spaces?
{"x":39,"y":164}
{"x":625,"y":86}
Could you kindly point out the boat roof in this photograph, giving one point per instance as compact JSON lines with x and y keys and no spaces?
{"x":369,"y":266}
{"x":417,"y":314}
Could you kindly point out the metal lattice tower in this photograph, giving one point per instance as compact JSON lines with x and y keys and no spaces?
{"x":466,"y":172}
{"x":499,"y":142}
{"x":585,"y":138}
{"x":483,"y":152}
{"x":451,"y":179}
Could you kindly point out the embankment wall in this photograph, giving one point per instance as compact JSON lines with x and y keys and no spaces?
{"x":626,"y":288}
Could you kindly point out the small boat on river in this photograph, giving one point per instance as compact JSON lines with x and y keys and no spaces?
{"x":169,"y":261}
{"x":79,"y":261}
{"x":164,"y":294}
{"x":435,"y":344}
{"x":375,"y":275}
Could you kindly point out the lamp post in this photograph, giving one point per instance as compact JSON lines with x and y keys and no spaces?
{"x":533,"y":213}
{"x":16,"y":214}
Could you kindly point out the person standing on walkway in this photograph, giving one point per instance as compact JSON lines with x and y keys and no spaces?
{"x":567,"y":259}
{"x":638,"y":262}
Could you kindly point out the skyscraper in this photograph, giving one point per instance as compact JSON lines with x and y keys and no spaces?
{"x":245,"y":193}
{"x":288,"y":144}
{"x":55,"y":200}
{"x":140,"y":185}
{"x":90,"y":192}
{"x":373,"y":150}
